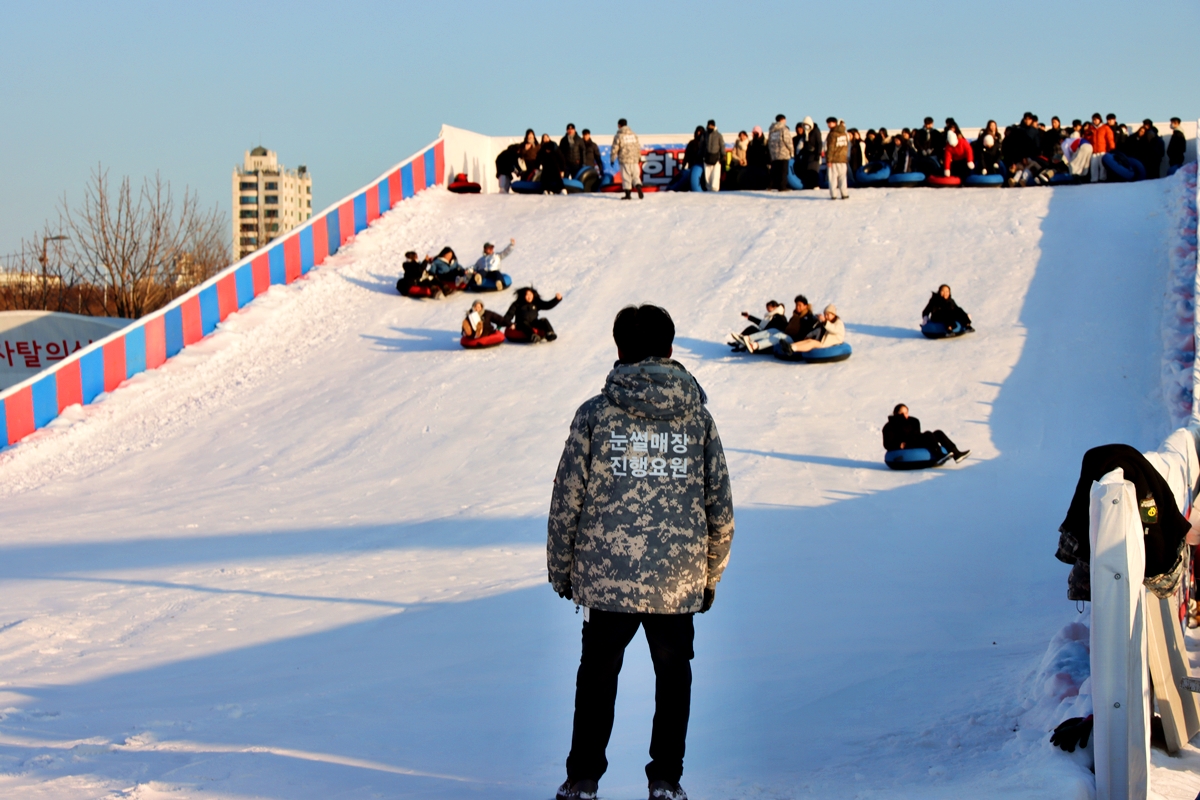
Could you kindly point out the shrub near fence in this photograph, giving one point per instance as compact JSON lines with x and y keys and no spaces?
{"x":149,"y":342}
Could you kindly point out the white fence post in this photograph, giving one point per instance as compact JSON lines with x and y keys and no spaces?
{"x":1120,"y":689}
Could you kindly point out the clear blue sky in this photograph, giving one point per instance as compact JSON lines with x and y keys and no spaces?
{"x":349,"y":88}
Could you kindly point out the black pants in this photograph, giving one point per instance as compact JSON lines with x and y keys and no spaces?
{"x":779,"y":174}
{"x":539,"y":326}
{"x":931,"y":440}
{"x":605,"y":637}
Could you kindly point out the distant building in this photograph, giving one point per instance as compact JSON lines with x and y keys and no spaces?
{"x":268,"y":200}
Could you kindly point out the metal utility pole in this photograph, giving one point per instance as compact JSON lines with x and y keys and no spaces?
{"x":43,"y":259}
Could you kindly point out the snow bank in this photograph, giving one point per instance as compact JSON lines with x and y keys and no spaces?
{"x":1180,"y":376}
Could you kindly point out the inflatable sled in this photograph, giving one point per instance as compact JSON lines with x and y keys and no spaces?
{"x":874,"y":174}
{"x":461,"y":185}
{"x":819,"y":355}
{"x":792,"y":178}
{"x":527,"y":187}
{"x":943,"y":181}
{"x":1123,"y":167}
{"x":481,"y":284}
{"x":991,"y":179}
{"x":517,"y":337}
{"x":573,"y":186}
{"x":1062,"y":179}
{"x":939,"y":330}
{"x":916,"y":458}
{"x":588,"y":178}
{"x":906,"y":179}
{"x":419,"y":290}
{"x":491,"y":340}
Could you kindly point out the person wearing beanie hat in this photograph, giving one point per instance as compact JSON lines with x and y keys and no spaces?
{"x":481,"y":322}
{"x":829,"y":332}
{"x":958,"y":158}
{"x":987,"y":155}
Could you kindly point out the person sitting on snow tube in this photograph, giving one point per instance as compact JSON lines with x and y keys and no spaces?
{"x":903,"y":432}
{"x":800,"y":326}
{"x":416,"y":276}
{"x":830,"y":331}
{"x":942,"y":309}
{"x":486,"y":272}
{"x":524,"y":319}
{"x":446,"y":270}
{"x":958,"y":157}
{"x":481,"y":324}
{"x":987,"y":155}
{"x":774,"y":320}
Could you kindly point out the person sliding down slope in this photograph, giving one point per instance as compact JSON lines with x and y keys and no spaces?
{"x":523,"y":314}
{"x":775,"y":319}
{"x":487,"y":268}
{"x":480,"y":322}
{"x":903,"y":432}
{"x":831,"y":331}
{"x":446,"y":270}
{"x":800,"y":326}
{"x":415,"y":272}
{"x":942,"y":309}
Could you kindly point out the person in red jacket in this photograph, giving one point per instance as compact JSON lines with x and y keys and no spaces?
{"x":959,"y":158}
{"x":1100,"y":137}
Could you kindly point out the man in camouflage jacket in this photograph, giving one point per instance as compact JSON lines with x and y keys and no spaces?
{"x":640,"y":527}
{"x":627,"y":149}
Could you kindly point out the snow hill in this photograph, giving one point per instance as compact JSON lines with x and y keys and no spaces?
{"x":316,"y":569}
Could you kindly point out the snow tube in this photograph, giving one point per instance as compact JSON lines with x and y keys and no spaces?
{"x":819,"y":355}
{"x":1124,"y":167}
{"x":420,"y":290}
{"x":527,"y":187}
{"x":696,"y":179}
{"x":906,"y":179}
{"x":874,"y":174}
{"x":943,"y":181}
{"x":939,"y":330}
{"x":916,"y":458}
{"x":517,"y":337}
{"x":993,"y":179}
{"x":461,"y":185}
{"x":1062,"y":179}
{"x":573,"y":186}
{"x":589,"y":177}
{"x":1173,"y":169}
{"x":491,"y":340}
{"x":792,"y":179}
{"x":482,"y":284}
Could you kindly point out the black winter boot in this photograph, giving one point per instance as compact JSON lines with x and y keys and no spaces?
{"x":665,"y":790}
{"x":627,"y":194}
{"x":580,"y":790}
{"x":640,"y":195}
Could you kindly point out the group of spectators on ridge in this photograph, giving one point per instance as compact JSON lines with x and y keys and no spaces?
{"x":1025,"y":153}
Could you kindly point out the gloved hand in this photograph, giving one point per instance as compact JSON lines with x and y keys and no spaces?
{"x":565,"y":592}
{"x":1071,"y":733}
{"x":709,"y":595}
{"x":946,"y":173}
{"x":970,"y":165}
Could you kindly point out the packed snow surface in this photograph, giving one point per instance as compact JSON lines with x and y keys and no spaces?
{"x":305,"y":559}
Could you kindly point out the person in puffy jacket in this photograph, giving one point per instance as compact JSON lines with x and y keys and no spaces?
{"x":1100,"y":137}
{"x":488,"y":265}
{"x":693,"y":154}
{"x":506,"y":165}
{"x":801,"y":325}
{"x":757,"y":154}
{"x":571,"y":148}
{"x":523,"y":314}
{"x":552,"y":166}
{"x":446,"y":270}
{"x":1177,"y":149}
{"x":903,"y":432}
{"x":837,"y":154}
{"x":987,"y":155}
{"x":942,"y":309}
{"x":714,"y":157}
{"x":779,"y":143}
{"x":903,"y":155}
{"x":528,"y":153}
{"x":639,"y":533}
{"x":830,"y":331}
{"x":481,"y":322}
{"x":958,"y":158}
{"x":415,"y":272}
{"x":627,"y":150}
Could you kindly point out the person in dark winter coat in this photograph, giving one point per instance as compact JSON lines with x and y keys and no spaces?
{"x":761,"y":329}
{"x":693,"y":154}
{"x":941,"y":308}
{"x":552,"y":166}
{"x":528,"y":152}
{"x":571,"y":148}
{"x":506,"y":165}
{"x":714,"y":157}
{"x":987,"y":155}
{"x":903,"y":432}
{"x":447,"y":272}
{"x":872,"y":147}
{"x":639,"y":533}
{"x":481,"y":322}
{"x":802,"y":324}
{"x":591,"y":152}
{"x":928,"y":142}
{"x":523,"y":314}
{"x":903,"y":156}
{"x":1177,"y":149}
{"x":415,"y":271}
{"x":1149,"y":148}
{"x":757,"y":154}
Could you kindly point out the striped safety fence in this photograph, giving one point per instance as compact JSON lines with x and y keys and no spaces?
{"x":150,"y":341}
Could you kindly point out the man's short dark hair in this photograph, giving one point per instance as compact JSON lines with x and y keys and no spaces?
{"x":712,"y":122}
{"x":1027,"y":115}
{"x":411,"y":255}
{"x":1110,"y":116}
{"x":801,"y":299}
{"x":831,"y":119}
{"x":643,"y":331}
{"x":780,"y":117}
{"x":585,"y":132}
{"x":1176,"y":120}
{"x":622,"y":122}
{"x":896,"y":410}
{"x":1097,"y":116}
{"x":1148,"y":123}
{"x":1075,"y":122}
{"x":929,"y":120}
{"x":570,"y":124}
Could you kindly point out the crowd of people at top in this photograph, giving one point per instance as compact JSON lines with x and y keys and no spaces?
{"x":1024,"y":153}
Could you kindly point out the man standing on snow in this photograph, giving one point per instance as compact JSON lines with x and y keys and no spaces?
{"x":640,"y":527}
{"x":837,"y":152}
{"x":714,"y":157}
{"x":779,"y":143}
{"x":628,"y":151}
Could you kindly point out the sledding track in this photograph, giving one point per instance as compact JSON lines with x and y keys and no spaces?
{"x":317,"y":570}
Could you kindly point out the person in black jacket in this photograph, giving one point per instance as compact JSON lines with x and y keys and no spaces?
{"x":942,"y":308}
{"x":929,"y":144}
{"x":481,"y":322}
{"x":693,"y":154}
{"x":571,"y":147}
{"x":1177,"y":149}
{"x":551,"y":162}
{"x":506,"y":165}
{"x":903,"y":432}
{"x":523,"y":314}
{"x":414,"y":272}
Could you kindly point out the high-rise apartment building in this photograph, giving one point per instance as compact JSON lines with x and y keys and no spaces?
{"x":268,"y":200}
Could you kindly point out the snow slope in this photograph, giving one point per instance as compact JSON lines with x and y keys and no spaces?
{"x":316,"y":570}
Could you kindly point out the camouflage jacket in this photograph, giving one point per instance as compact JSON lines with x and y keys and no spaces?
{"x":641,"y":519}
{"x":626,"y":147}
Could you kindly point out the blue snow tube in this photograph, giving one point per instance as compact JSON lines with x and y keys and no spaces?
{"x":1120,"y":166}
{"x":823,"y":177}
{"x":527,"y":187}
{"x":916,"y":458}
{"x":906,"y":179}
{"x":573,"y":186}
{"x":874,"y":174}
{"x":793,"y":180}
{"x":696,"y":179}
{"x":819,"y":355}
{"x":993,"y":179}
{"x":1173,"y":169}
{"x":490,"y":284}
{"x":939,"y":330}
{"x":1062,"y":179}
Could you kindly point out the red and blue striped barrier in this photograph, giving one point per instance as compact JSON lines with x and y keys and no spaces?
{"x":150,"y":341}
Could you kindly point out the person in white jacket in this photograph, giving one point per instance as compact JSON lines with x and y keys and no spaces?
{"x":488,"y":265}
{"x":834,"y":332}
